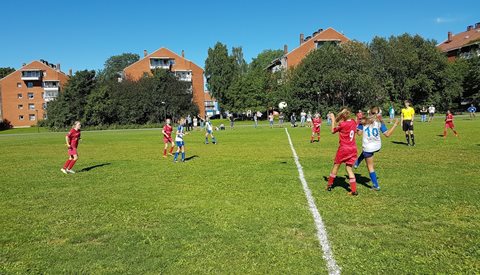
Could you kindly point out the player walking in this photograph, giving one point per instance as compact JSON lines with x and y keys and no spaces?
{"x":472,"y":110}
{"x":72,"y":139}
{"x":179,"y":140}
{"x":449,"y":124}
{"x":167,"y":138}
{"x":209,"y":131}
{"x":317,"y":122}
{"x":408,"y":114}
{"x":347,"y":150}
{"x":371,"y":128}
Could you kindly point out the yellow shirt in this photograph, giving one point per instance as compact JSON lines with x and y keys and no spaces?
{"x":408,"y":113}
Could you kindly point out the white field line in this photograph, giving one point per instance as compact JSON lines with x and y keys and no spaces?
{"x":332,"y":266}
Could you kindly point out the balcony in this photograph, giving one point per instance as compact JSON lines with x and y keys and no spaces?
{"x":184,"y":75}
{"x":161,"y":62}
{"x":51,"y":86}
{"x":32,"y":75}
{"x":50,"y":95}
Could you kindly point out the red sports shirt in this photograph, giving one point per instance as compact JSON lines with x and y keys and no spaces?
{"x":168,"y":130}
{"x":316,"y":122}
{"x":449,"y":118}
{"x":346,"y":130}
{"x":73,"y":137}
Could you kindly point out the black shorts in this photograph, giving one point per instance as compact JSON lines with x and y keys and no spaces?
{"x":431,"y":114}
{"x":407,"y":125}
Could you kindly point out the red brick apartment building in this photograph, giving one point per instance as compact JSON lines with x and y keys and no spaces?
{"x":184,"y":69}
{"x":464,"y":45}
{"x":25,"y":92}
{"x":307,"y":44}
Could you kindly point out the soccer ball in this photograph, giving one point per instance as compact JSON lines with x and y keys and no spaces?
{"x":282,"y":105}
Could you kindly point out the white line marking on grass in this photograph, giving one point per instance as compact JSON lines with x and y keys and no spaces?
{"x":332,"y":266}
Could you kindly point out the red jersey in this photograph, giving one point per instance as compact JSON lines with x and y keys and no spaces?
{"x":346,"y":130}
{"x":73,"y":137}
{"x":359,"y":117}
{"x":316,"y":122}
{"x":168,"y":130}
{"x":449,"y":118}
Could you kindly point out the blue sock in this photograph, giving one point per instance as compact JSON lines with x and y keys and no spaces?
{"x":176,"y":156}
{"x":206,"y":140}
{"x":183,"y":156}
{"x":359,"y":160}
{"x":373,"y":176}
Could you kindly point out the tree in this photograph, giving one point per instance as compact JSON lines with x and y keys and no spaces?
{"x":471,"y":80}
{"x":6,"y":71}
{"x":240,"y":66}
{"x":219,"y":72}
{"x":115,"y":64}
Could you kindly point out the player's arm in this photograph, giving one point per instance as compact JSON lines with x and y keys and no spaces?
{"x":360,"y":129}
{"x":67,"y":140}
{"x":333,"y":129}
{"x":163,"y":132}
{"x":389,"y":132}
{"x":401,"y":118}
{"x":413,"y":117}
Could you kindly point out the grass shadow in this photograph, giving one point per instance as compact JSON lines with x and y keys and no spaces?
{"x":439,"y":135}
{"x":399,"y":142}
{"x":86,"y":169}
{"x":339,"y":182}
{"x":362,"y":180}
{"x":191,"y":157}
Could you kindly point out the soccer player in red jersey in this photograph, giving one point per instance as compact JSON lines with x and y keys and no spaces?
{"x":72,"y":139}
{"x":347,"y":150}
{"x":167,"y":138}
{"x":449,"y":124}
{"x":317,"y":122}
{"x":359,"y":117}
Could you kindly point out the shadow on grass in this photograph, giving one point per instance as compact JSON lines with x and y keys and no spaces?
{"x":86,"y":169}
{"x":363,"y":180}
{"x":192,"y":157}
{"x":399,"y":142}
{"x":344,"y":182}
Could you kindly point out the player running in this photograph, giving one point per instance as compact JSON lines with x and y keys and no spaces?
{"x":317,"y":122}
{"x":72,"y":139}
{"x":347,"y":150}
{"x":179,"y":140}
{"x":167,"y":138}
{"x":471,"y":111}
{"x":209,"y":131}
{"x":408,"y":114}
{"x":370,"y":128}
{"x":449,"y":124}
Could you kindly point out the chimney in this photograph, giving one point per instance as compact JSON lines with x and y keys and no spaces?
{"x":469,"y":28}
{"x":449,"y":37}
{"x":477,"y":25}
{"x":58,"y":67}
{"x":145,"y":53}
{"x":183,"y":53}
{"x":69,"y":72}
{"x":302,"y":37}
{"x":285,"y":49}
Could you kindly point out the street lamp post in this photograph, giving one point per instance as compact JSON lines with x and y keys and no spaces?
{"x":36,"y":117}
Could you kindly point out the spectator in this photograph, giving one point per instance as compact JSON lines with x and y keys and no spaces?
{"x":431,"y":113}
{"x":472,"y":110}
{"x":293,"y":120}
{"x":423,"y":114}
{"x":303,"y":117}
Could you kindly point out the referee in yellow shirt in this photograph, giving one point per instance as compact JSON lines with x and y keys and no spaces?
{"x":408,"y":114}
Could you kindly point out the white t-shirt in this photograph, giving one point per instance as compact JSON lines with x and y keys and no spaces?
{"x":371,"y":141}
{"x":431,"y":110}
{"x":208,"y":124}
{"x":179,"y":135}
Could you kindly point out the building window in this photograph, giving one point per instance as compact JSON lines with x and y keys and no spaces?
{"x":19,"y":85}
{"x":19,"y":96}
{"x":31,"y":106}
{"x":20,"y":117}
{"x":30,"y":95}
{"x":44,"y":105}
{"x":20,"y":106}
{"x":29,"y":84}
{"x":44,"y":115}
{"x":31,"y":117}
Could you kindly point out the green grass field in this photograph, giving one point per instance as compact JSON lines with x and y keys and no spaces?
{"x":237,"y":207}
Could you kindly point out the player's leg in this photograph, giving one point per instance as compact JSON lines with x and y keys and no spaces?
{"x":206,"y":137}
{"x":352,"y":180}
{"x":72,"y":163}
{"x":445,"y":131}
{"x":412,"y":137}
{"x":214,"y":140}
{"x":312,"y":136}
{"x":172,"y":146}
{"x":183,"y":153}
{"x":67,"y":163}
{"x":179,"y":147}
{"x":359,"y":160}
{"x":333,"y":175}
{"x":165,"y":147}
{"x":371,"y":171}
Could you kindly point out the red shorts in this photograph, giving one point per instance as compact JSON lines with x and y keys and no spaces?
{"x":316,"y":130}
{"x":449,"y":125}
{"x":167,"y":140}
{"x":72,"y":151}
{"x":347,"y":155}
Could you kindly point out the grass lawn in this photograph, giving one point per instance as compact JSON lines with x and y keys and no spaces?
{"x":238,"y":206}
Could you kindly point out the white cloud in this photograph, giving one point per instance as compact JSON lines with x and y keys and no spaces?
{"x":442,"y":20}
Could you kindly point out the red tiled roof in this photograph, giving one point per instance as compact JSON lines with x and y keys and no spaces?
{"x":460,"y":40}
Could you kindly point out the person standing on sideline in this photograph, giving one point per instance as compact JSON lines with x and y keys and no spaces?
{"x":449,"y":124}
{"x":189,"y":123}
{"x":329,"y":118}
{"x":270,"y":119}
{"x":72,"y":139}
{"x":167,"y":138}
{"x":347,"y":149}
{"x":309,"y":119}
{"x":209,"y":131}
{"x":195,"y":123}
{"x":303,"y":118}
{"x":431,"y":113}
{"x":293,"y":120}
{"x":255,"y":120}
{"x":391,"y":113}
{"x":359,"y":116}
{"x":471,"y":111}
{"x":281,"y":119}
{"x":232,"y":121}
{"x":423,"y":114}
{"x":408,"y":115}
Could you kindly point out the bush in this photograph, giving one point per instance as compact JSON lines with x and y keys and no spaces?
{"x":5,"y":125}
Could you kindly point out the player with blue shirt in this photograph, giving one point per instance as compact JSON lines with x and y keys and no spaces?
{"x":371,"y":127}
{"x":179,"y":140}
{"x":209,"y":131}
{"x":472,"y":110}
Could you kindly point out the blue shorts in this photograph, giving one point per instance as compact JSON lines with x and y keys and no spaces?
{"x":368,"y":154}
{"x":180,"y":143}
{"x":209,"y":131}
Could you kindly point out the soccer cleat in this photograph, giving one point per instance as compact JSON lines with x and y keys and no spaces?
{"x":375,"y":188}
{"x":352,"y":193}
{"x":355,"y":165}
{"x":70,"y":171}
{"x":206,"y":142}
{"x":214,"y":143}
{"x":329,"y":188}
{"x":164,"y":156}
{"x":170,"y":154}
{"x":64,"y":171}
{"x":175,"y":161}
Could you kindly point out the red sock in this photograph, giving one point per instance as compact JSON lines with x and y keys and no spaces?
{"x":318,"y":138}
{"x":72,"y":163}
{"x":171,"y":150}
{"x":67,"y":163}
{"x":164,"y":152}
{"x":311,"y":138}
{"x":331,"y":179}
{"x":353,"y":185}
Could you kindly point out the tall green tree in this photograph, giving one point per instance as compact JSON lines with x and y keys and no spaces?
{"x":115,"y":65}
{"x":240,"y":65}
{"x":219,"y":72}
{"x":6,"y":71}
{"x":471,"y":80}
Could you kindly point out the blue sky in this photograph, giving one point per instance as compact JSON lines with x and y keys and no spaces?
{"x":83,"y":34}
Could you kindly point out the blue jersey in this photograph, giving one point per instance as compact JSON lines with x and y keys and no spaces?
{"x":472,"y":109}
{"x":180,"y":133}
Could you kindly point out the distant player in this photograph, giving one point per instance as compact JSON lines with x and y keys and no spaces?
{"x":449,"y":124}
{"x":167,"y":138}
{"x":391,"y":113}
{"x":431,"y":113}
{"x":471,"y":111}
{"x":209,"y":131}
{"x":347,"y":150}
{"x":359,"y":116}
{"x":408,"y":115}
{"x":317,"y":122}
{"x":72,"y":139}
{"x":179,"y":140}
{"x":371,"y":128}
